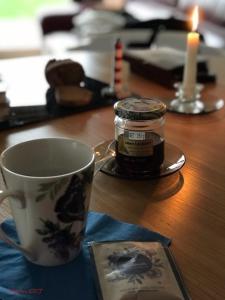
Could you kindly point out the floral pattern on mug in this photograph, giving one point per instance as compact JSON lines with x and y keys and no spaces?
{"x":70,"y":208}
{"x":60,"y":239}
{"x":50,"y":189}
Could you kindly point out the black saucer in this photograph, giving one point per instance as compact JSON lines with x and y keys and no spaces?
{"x":173,"y":161}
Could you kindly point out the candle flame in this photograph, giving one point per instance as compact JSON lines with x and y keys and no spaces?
{"x":195,"y":18}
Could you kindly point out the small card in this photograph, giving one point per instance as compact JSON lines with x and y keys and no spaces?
{"x":130,"y":270}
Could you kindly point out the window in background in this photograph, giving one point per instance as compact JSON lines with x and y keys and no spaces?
{"x":23,"y":8}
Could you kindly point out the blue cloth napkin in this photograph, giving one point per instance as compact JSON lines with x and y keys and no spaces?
{"x":20,"y":279}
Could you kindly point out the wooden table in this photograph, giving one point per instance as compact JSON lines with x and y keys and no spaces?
{"x":188,"y":206}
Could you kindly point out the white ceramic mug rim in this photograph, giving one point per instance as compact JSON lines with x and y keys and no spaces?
{"x":46,"y":177}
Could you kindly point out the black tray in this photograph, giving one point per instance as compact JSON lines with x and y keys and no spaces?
{"x":20,"y":116}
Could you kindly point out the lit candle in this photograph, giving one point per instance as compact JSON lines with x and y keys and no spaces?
{"x":190,"y":69}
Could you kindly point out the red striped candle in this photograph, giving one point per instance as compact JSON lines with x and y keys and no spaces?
{"x":118,"y":66}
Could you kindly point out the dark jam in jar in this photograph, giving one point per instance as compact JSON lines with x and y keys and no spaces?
{"x":142,"y":163}
{"x":139,"y":135}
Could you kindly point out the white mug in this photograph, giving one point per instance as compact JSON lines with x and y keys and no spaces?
{"x":48,"y":183}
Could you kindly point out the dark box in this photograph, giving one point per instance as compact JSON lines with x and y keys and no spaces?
{"x":165,"y":65}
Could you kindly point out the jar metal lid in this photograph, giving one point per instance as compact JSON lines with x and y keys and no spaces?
{"x":139,"y":109}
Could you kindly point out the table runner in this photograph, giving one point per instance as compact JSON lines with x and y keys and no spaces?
{"x":20,"y":279}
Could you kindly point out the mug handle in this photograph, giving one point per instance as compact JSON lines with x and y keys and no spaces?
{"x":3,"y":235}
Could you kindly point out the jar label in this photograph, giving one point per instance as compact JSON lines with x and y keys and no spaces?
{"x":136,"y":143}
{"x":136,"y":135}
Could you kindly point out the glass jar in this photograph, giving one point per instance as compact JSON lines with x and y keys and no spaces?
{"x":139,"y":134}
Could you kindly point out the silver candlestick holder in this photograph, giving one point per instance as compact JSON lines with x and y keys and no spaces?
{"x":193,"y":104}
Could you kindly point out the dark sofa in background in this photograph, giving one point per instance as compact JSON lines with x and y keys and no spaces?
{"x":212,"y":22}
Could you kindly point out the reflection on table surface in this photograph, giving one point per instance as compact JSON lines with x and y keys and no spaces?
{"x":187,"y":206}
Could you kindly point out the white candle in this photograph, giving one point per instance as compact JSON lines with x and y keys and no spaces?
{"x":190,"y":69}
